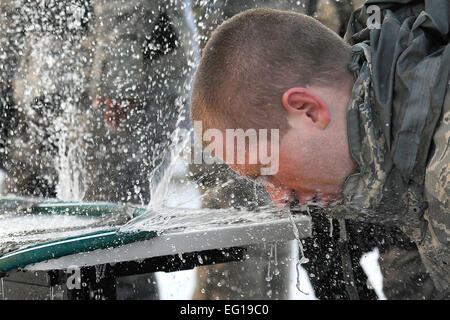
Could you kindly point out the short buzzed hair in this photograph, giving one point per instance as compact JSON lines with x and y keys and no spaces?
{"x":253,"y":58}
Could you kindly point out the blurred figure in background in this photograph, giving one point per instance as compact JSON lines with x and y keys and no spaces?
{"x":139,"y":84}
{"x":46,"y":53}
{"x":139,"y":87}
{"x":98,"y":87}
{"x":90,"y":92}
{"x":115,"y":72}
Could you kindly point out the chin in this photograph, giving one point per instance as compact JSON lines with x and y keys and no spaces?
{"x":326,"y":200}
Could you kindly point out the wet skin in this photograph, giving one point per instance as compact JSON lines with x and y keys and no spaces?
{"x":291,"y":182}
{"x":313,"y":154}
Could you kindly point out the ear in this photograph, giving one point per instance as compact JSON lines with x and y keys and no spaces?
{"x":301,"y":101}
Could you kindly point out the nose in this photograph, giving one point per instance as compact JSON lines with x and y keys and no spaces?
{"x":305,"y":197}
{"x":281,"y":196}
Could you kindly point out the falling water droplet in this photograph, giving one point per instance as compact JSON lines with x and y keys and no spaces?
{"x":302,"y":258}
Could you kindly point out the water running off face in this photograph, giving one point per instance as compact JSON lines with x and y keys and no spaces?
{"x":173,"y":219}
{"x":302,"y":259}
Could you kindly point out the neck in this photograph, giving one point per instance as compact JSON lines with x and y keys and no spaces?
{"x":337,"y":101}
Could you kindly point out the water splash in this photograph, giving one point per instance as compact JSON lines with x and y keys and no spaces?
{"x":302,"y":259}
{"x":172,"y":219}
{"x":272,"y":267}
{"x":68,"y":163}
{"x":161,"y":178}
{"x":194,"y":31}
{"x":162,"y":175}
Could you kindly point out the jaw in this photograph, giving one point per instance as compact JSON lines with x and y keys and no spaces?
{"x":318,"y":199}
{"x":281,"y":196}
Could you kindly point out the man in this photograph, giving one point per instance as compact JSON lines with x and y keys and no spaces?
{"x":221,"y":188}
{"x":290,"y":73}
{"x":242,"y":193}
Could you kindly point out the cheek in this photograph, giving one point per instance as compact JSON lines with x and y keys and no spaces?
{"x":290,"y":180}
{"x":290,"y":168}
{"x":296,"y":169}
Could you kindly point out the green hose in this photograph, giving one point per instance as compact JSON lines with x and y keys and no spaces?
{"x":58,"y":248}
{"x":39,"y":206}
{"x":83,"y":243}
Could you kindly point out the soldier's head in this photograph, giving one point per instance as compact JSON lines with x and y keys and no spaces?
{"x":269,"y":69}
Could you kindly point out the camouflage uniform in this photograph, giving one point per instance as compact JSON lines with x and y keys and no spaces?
{"x":398,"y":132}
{"x":405,"y":269}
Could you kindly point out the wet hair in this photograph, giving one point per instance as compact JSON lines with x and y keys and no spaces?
{"x":253,"y":58}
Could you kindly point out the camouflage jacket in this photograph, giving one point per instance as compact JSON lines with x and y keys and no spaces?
{"x":398,"y":126}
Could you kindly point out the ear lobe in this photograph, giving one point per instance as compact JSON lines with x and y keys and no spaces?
{"x":301,"y":101}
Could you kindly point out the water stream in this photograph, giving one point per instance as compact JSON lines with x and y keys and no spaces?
{"x":68,"y":163}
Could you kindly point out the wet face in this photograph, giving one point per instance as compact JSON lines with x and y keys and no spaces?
{"x":313,"y":155}
{"x":307,"y":172}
